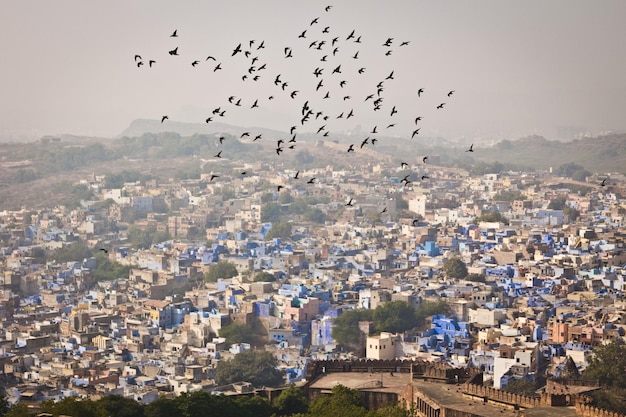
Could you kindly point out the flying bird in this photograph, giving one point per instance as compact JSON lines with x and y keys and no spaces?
{"x":213,"y":176}
{"x":603,"y":183}
{"x":419,"y":92}
{"x":174,"y":34}
{"x":404,"y":165}
{"x":104,"y":250}
{"x":441,"y":106}
{"x":424,"y":159}
{"x":164,"y":118}
{"x":137,"y":57}
{"x":152,"y":61}
{"x":349,"y":203}
{"x":311,"y":181}
{"x":450,"y":93}
{"x":415,"y":132}
{"x":174,"y":51}
{"x":351,"y":148}
{"x":218,"y":155}
{"x":471,"y":148}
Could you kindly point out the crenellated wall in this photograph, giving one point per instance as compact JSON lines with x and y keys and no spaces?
{"x":506,"y":398}
{"x":421,"y":369}
{"x":590,"y":411}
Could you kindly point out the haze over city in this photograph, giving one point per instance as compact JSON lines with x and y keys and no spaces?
{"x":549,"y":68}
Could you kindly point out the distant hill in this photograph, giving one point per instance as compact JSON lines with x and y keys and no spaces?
{"x":598,"y":154}
{"x":140,"y":126}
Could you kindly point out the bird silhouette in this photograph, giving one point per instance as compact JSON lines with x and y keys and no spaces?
{"x":351,"y":148}
{"x":471,"y":148}
{"x":417,"y":119}
{"x":194,"y":63}
{"x":450,"y":93}
{"x":104,"y":250}
{"x":349,"y":203}
{"x":174,"y":51}
{"x":404,"y":165}
{"x":218,"y":155}
{"x":279,"y":187}
{"x":425,"y":177}
{"x":174,"y":34}
{"x":419,"y":92}
{"x":236,"y":50}
{"x":311,"y":181}
{"x":295,"y":177}
{"x":164,"y":118}
{"x":137,"y":57}
{"x":384,"y":210}
{"x":213,"y":176}
{"x":441,"y":106}
{"x":365,"y":141}
{"x":152,"y":61}
{"x":424,"y":159}
{"x":603,"y":183}
{"x":415,"y":132}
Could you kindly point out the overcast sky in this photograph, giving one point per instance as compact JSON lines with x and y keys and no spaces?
{"x":517,"y":68}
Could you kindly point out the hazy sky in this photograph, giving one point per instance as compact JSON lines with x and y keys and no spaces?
{"x":517,"y":67}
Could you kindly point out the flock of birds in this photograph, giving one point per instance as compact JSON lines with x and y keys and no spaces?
{"x":334,"y":71}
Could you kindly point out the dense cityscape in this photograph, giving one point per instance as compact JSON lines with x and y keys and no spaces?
{"x":370,"y":278}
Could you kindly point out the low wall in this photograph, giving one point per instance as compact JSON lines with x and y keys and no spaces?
{"x":590,"y":411}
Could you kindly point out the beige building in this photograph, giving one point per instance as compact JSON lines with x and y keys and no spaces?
{"x":382,"y":346}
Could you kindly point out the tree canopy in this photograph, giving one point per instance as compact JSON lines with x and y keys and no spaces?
{"x":256,"y":367}
{"x":222,"y":269}
{"x":455,"y":268}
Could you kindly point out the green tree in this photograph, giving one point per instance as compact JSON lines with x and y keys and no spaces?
{"x":257,"y":367}
{"x":557,"y":204}
{"x":315,"y":215}
{"x":239,"y":333}
{"x":346,"y":328}
{"x":162,"y":407}
{"x":18,"y":410}
{"x":430,"y":308}
{"x":222,"y":269}
{"x":476,"y":278}
{"x":522,"y":386}
{"x":291,"y":401}
{"x":509,"y":195}
{"x":343,"y":402}
{"x":118,"y":406}
{"x":264,"y":277}
{"x":394,"y":317}
{"x":270,"y":212}
{"x":74,"y":252}
{"x":281,"y":229}
{"x":4,"y":406}
{"x":608,"y":365}
{"x":455,"y":268}
{"x":492,"y":216}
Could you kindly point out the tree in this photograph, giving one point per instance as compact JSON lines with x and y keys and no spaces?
{"x":343,"y":402}
{"x":116,"y":405}
{"x":4,"y":406}
{"x":455,"y":268}
{"x":264,"y":277}
{"x":257,"y":367}
{"x":162,"y":407}
{"x":281,"y":229}
{"x":608,"y":365}
{"x":346,"y":328}
{"x":270,"y":212}
{"x":557,"y":204}
{"x":522,"y":386}
{"x":236,"y":333}
{"x":291,"y":401}
{"x":476,"y":278}
{"x":394,"y":317}
{"x":430,"y":308}
{"x":222,"y":269}
{"x":75,"y":252}
{"x":492,"y":216}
